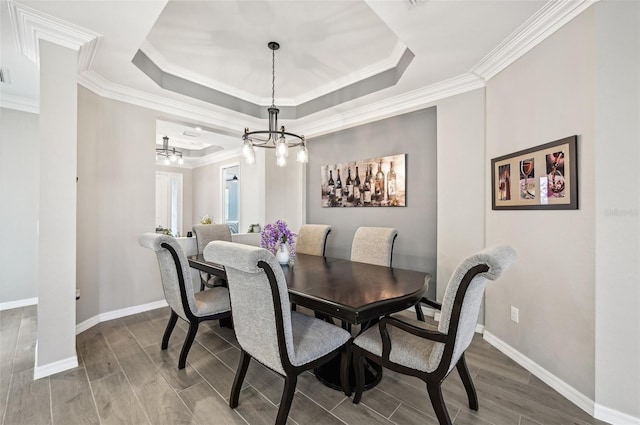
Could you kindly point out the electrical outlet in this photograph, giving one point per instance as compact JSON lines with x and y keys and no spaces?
{"x":515,"y":314}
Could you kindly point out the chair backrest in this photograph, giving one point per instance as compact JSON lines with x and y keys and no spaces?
{"x":373,"y":245}
{"x":463,"y":297}
{"x":175,"y":272}
{"x":312,"y":239}
{"x":206,"y":233}
{"x":253,"y":300}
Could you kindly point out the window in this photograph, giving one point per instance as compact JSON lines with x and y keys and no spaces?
{"x":169,"y":201}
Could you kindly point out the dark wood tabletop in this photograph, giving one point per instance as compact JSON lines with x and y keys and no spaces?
{"x":351,"y":291}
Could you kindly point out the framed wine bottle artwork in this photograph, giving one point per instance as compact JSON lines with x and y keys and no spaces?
{"x":544,"y":177}
{"x":376,"y":182}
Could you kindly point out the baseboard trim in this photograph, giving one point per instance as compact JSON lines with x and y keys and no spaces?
{"x":614,"y":416}
{"x":55,"y":367}
{"x":8,"y":305}
{"x":116,"y":314}
{"x":566,"y":390}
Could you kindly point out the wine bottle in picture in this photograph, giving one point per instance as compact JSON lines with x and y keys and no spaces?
{"x":379,"y":188}
{"x":392,"y":189}
{"x":331,"y":187}
{"x":367,"y":188}
{"x":349,"y":189}
{"x":372,"y":183}
{"x":338,"y":187}
{"x":356,"y":188}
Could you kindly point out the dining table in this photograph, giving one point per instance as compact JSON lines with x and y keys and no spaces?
{"x":349,"y":291}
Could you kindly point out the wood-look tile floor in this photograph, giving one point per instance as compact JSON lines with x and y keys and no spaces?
{"x":124,"y":378}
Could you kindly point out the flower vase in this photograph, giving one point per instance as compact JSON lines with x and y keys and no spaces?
{"x":282,"y":255}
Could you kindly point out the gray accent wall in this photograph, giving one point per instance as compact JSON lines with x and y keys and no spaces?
{"x":19,"y":183}
{"x":413,"y":134}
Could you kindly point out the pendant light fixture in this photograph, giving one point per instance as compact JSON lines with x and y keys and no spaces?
{"x":170,"y":155}
{"x":273,"y":138}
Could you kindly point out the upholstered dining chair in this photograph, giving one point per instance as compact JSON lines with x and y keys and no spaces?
{"x":408,"y":347}
{"x":312,"y":239}
{"x":206,"y":233}
{"x":374,"y":245}
{"x":193,"y":307}
{"x":285,"y":341}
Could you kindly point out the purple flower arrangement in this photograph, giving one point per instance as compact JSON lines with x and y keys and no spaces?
{"x":275,"y":234}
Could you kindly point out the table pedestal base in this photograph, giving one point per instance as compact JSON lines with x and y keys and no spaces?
{"x":329,"y":374}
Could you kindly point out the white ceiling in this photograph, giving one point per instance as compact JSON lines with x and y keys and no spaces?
{"x":325,"y":45}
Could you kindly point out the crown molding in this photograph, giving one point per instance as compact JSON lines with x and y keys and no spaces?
{"x":551,"y":17}
{"x":19,"y":103}
{"x":402,"y":104}
{"x":228,"y":123}
{"x":30,"y":26}
{"x":216,"y":157}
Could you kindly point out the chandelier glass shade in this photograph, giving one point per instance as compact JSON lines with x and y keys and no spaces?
{"x":275,"y":137}
{"x":170,"y":155}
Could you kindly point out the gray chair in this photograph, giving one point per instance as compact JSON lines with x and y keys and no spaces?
{"x":312,"y":239}
{"x":206,"y":233}
{"x":410,"y":348}
{"x":374,"y":245}
{"x":192,"y":307}
{"x":284,"y":341}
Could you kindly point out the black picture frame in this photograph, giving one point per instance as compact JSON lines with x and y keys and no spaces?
{"x":547,"y":177}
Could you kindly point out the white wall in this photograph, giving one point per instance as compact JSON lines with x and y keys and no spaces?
{"x":461,"y":180}
{"x":57,"y":202}
{"x":116,"y":205}
{"x":617,"y":209}
{"x":546,"y":95}
{"x":19,"y":182}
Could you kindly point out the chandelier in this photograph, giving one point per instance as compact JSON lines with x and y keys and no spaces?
{"x":274,"y":138}
{"x":169,"y":154}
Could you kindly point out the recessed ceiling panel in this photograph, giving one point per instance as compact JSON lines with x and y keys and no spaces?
{"x":325,"y":45}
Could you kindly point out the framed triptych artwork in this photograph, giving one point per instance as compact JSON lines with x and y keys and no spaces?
{"x":541,"y":178}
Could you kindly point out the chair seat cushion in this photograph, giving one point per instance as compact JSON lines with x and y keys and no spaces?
{"x":212,"y":301}
{"x":406,"y":349}
{"x":313,"y":338}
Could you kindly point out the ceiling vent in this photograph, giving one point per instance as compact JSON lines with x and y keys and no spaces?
{"x":4,"y":76}
{"x":190,"y":134}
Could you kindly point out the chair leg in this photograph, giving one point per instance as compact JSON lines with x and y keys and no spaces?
{"x":435,"y":394}
{"x":167,"y":332}
{"x":193,"y":329}
{"x":345,"y":358}
{"x":287,"y":397}
{"x":419,"y":313}
{"x":243,"y":365}
{"x":468,"y":383}
{"x":294,"y":306}
{"x":358,"y":365}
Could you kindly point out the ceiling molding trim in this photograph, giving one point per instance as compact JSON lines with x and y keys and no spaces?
{"x":227,"y":123}
{"x":217,"y":157}
{"x":19,"y":103}
{"x":551,"y":17}
{"x":398,"y":105}
{"x":30,"y":26}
